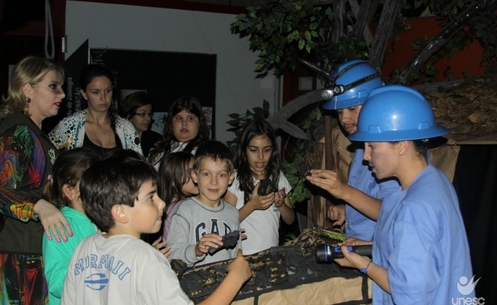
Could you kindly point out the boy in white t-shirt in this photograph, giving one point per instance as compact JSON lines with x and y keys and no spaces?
{"x":117,"y":267}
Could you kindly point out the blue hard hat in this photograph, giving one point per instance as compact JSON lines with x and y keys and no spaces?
{"x":396,"y":113}
{"x":351,"y":83}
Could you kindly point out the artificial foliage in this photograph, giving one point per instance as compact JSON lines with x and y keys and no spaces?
{"x":237,"y":121}
{"x":284,"y":32}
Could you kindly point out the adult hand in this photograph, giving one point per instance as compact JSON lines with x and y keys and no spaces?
{"x":162,"y":247}
{"x":352,"y":241}
{"x":352,"y":259}
{"x":337,"y":213}
{"x":53,"y":221}
{"x":328,"y":180}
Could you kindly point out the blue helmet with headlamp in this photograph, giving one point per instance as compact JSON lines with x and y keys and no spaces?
{"x":351,"y":83}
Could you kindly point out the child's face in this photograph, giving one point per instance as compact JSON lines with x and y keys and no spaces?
{"x":259,"y":152}
{"x":146,"y":215}
{"x":185,"y":126}
{"x":212,"y":178}
{"x":190,"y":188}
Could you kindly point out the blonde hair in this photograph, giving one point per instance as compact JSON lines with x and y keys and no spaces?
{"x":29,"y":70}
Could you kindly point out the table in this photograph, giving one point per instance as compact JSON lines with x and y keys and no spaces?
{"x":287,"y":274}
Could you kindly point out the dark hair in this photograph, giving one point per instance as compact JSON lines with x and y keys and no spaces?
{"x":174,"y":172}
{"x":421,"y":147}
{"x":250,"y":130}
{"x":124,"y":153}
{"x":30,"y":70}
{"x":91,"y":71}
{"x":135,"y":100}
{"x":68,"y":170}
{"x":111,"y":181}
{"x":213,"y":150}
{"x":88,"y":74}
{"x":192,"y":105}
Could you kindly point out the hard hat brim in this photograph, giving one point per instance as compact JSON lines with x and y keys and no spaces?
{"x":373,"y":134}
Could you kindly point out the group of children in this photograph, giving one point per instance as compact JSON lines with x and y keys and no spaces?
{"x":125,"y":197}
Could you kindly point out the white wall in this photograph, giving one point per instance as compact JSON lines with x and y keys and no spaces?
{"x":154,"y":29}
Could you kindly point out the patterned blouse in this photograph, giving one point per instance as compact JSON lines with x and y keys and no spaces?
{"x":26,"y":160}
{"x":70,"y":132}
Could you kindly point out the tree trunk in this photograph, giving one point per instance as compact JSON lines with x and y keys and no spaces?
{"x":361,"y":14}
{"x":384,"y":31}
{"x":340,"y":15}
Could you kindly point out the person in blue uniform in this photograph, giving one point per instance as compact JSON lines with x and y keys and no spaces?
{"x":420,"y":249}
{"x":353,"y":81}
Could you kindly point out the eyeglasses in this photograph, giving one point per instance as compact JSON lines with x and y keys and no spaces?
{"x":144,"y":114}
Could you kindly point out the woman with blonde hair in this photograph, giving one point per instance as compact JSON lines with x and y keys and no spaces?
{"x":26,"y":160}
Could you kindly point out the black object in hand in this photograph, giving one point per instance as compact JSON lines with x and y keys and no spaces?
{"x":179,"y":267}
{"x":327,"y":253}
{"x":266,"y":186}
{"x":229,"y":241}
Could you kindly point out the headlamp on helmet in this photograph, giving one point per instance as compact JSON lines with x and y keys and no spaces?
{"x":351,"y":84}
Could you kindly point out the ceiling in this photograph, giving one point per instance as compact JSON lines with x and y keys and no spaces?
{"x":239,"y":3}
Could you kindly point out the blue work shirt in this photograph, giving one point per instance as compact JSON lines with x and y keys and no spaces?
{"x":421,"y":240}
{"x":362,"y":178}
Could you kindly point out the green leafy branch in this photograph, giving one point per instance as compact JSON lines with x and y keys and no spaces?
{"x":280,"y":29}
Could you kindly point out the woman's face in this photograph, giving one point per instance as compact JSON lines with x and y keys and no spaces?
{"x":185,"y":126}
{"x":142,"y":118}
{"x":46,"y":96}
{"x":98,"y":93}
{"x":383,"y":158}
{"x":259,"y":152}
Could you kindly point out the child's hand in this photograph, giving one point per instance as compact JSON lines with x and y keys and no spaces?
{"x":162,"y":247}
{"x":241,"y":267}
{"x":261,"y":202}
{"x":206,"y":242}
{"x":242,"y":234}
{"x":279,"y":199}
